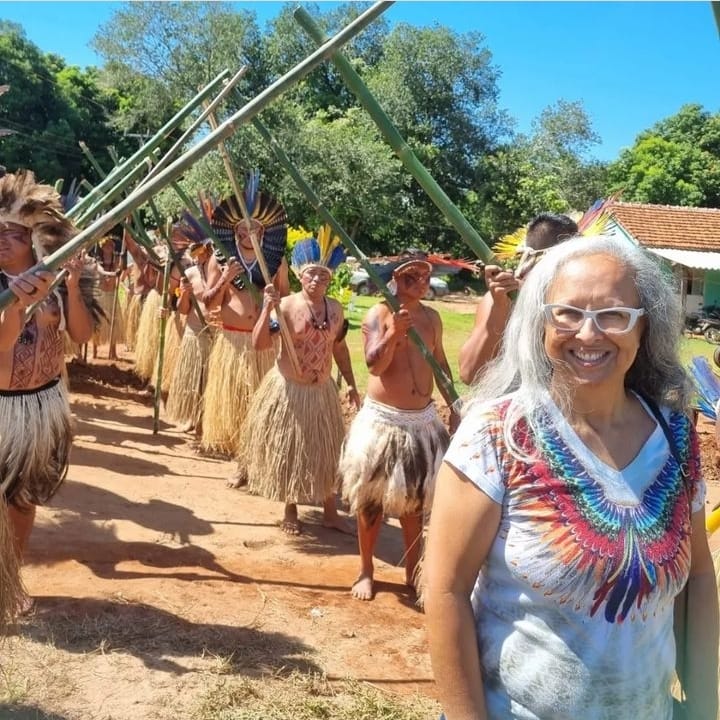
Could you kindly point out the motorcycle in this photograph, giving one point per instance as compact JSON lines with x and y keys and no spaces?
{"x":705,"y":323}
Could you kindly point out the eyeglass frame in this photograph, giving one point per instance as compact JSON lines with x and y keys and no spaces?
{"x":635,"y":314}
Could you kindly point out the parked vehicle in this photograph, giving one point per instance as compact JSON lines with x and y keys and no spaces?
{"x":361,"y":284}
{"x":705,"y":323}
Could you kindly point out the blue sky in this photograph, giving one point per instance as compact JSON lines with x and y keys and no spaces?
{"x":630,"y":63}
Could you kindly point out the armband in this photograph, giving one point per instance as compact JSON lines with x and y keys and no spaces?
{"x":343,"y":330}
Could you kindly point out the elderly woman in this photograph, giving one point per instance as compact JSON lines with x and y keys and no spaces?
{"x":569,"y":511}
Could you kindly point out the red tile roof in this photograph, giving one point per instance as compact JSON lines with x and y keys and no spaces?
{"x":670,"y":226}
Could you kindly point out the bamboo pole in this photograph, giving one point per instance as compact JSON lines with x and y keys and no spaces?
{"x":154,"y":142}
{"x":239,"y":196}
{"x":442,"y":379}
{"x":716,"y":12}
{"x":398,"y":144}
{"x":161,"y":346}
{"x":209,"y":107}
{"x":139,"y":196}
{"x":113,"y":314}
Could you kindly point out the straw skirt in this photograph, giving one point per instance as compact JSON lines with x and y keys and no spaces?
{"x":106,"y":299}
{"x":148,"y":340}
{"x":235,"y":370}
{"x":292,"y":439}
{"x":132,"y":319}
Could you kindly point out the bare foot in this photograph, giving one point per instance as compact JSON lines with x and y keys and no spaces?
{"x":291,"y":527}
{"x":27,"y":606}
{"x":362,"y":588}
{"x":238,"y":479}
{"x":339,"y":523}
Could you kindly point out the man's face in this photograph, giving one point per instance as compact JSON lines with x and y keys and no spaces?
{"x":413,"y":280}
{"x":15,"y":243}
{"x":315,"y":280}
{"x":242,"y":234}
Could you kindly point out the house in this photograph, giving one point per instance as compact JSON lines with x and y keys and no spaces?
{"x":687,"y":238}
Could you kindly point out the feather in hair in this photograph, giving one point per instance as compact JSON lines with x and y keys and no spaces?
{"x":507,"y":247}
{"x":252,"y":186}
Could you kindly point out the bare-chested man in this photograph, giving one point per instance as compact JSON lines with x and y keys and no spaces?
{"x":35,"y":433}
{"x":396,"y":442}
{"x":294,"y":428}
{"x":236,"y":368}
{"x":109,"y":267}
{"x":185,"y":399}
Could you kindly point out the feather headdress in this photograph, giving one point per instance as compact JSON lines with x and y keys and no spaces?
{"x":707,"y":386}
{"x":325,"y":251}
{"x":262,"y":208}
{"x":37,"y":207}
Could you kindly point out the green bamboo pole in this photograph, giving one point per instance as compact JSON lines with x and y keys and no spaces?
{"x":138,"y":233}
{"x":161,"y":346}
{"x":442,"y":379}
{"x":155,"y":141}
{"x":284,"y":330}
{"x":229,"y":86}
{"x":716,"y":12}
{"x":398,"y":144}
{"x":139,"y":196}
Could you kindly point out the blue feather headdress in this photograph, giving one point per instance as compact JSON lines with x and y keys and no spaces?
{"x":267,"y":211}
{"x":325,"y":251}
{"x":707,"y":386}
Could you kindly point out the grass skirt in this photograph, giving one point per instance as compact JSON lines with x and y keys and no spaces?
{"x":292,"y":440}
{"x":185,"y":399}
{"x":390,"y":459}
{"x":101,"y":336}
{"x":234,"y":373}
{"x":174,"y":329}
{"x":148,"y":336}
{"x":35,"y":439}
{"x":132,"y":319}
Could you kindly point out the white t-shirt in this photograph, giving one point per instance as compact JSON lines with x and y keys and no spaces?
{"x":574,"y":603}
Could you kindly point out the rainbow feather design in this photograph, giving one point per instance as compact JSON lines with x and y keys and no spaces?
{"x":707,"y":385}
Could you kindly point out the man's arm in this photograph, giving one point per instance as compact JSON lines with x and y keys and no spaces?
{"x":218,"y":282}
{"x":261,"y":336}
{"x":379,"y":339}
{"x":184,"y":304}
{"x":281,"y":281}
{"x":341,"y":355}
{"x":491,"y":317}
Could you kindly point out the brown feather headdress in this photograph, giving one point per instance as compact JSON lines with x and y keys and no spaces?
{"x":38,"y":207}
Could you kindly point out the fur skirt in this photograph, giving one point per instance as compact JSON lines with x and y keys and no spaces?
{"x":390,"y":459}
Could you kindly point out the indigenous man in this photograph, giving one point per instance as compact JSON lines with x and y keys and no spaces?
{"x":493,"y":310}
{"x":143,"y":278}
{"x":108,"y":268}
{"x":294,"y":427}
{"x":396,"y":442}
{"x":187,"y":387}
{"x":235,"y":368}
{"x":35,"y":433}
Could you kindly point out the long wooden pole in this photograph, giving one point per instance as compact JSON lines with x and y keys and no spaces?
{"x":398,"y":144}
{"x":284,"y":330}
{"x":178,"y":167}
{"x":155,"y":141}
{"x":442,"y":379}
{"x":161,"y":346}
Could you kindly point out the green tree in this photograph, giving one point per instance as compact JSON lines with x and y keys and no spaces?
{"x":676,"y":162}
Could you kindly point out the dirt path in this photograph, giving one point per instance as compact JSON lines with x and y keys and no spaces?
{"x":148,"y":570}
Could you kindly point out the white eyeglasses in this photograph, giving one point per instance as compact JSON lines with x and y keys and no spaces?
{"x":612,"y":320}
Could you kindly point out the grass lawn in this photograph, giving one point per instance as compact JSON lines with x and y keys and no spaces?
{"x":456,"y":328}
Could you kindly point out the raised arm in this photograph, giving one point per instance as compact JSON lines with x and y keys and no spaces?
{"x":439,"y":355}
{"x":382,"y":330}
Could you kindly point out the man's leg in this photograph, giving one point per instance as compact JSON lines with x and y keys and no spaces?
{"x":290,"y":523}
{"x":22,"y":524}
{"x":368,"y":531}
{"x":333,"y":520}
{"x":412,"y":527}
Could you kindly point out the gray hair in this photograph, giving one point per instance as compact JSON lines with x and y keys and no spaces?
{"x":524,"y":368}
